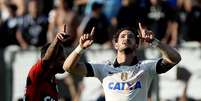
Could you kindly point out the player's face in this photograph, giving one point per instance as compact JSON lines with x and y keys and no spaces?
{"x":126,"y":40}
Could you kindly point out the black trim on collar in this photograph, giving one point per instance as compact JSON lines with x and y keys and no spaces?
{"x":90,"y":71}
{"x":135,"y":61}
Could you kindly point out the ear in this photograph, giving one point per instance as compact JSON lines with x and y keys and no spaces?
{"x":115,"y":45}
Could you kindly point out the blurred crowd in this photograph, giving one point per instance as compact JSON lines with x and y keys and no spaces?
{"x":35,"y":22}
{"x":28,"y":24}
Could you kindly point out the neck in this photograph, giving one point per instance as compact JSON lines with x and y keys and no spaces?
{"x":125,"y":59}
{"x":34,"y":15}
{"x":96,"y":14}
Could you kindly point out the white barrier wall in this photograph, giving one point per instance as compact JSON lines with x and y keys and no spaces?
{"x":22,"y":61}
{"x":169,"y":86}
{"x":191,"y":60}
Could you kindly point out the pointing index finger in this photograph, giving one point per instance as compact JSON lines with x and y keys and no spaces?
{"x":140,"y":27}
{"x":92,"y":31}
{"x":66,"y":34}
{"x":65,"y":28}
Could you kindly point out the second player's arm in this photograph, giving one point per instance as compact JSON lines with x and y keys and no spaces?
{"x":53,"y":48}
{"x":51,"y":51}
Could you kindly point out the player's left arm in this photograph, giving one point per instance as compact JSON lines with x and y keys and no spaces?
{"x":170,"y":57}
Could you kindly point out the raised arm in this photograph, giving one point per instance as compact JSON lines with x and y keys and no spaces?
{"x":170,"y":57}
{"x":71,"y":64}
{"x":51,"y":52}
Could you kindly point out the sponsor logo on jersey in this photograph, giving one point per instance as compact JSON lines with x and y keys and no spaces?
{"x":48,"y":98}
{"x":124,"y":85}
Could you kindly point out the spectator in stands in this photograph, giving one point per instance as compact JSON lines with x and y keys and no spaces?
{"x":156,"y":17}
{"x":189,"y":19}
{"x":182,"y":10}
{"x":162,"y":18}
{"x":171,"y":34}
{"x":127,"y":15}
{"x":4,"y":13}
{"x":100,"y":21}
{"x":110,"y":9}
{"x":33,"y":27}
{"x":89,"y":3}
{"x":9,"y":27}
{"x":21,"y":6}
{"x":63,"y":14}
{"x":184,"y":75}
{"x":127,"y":79}
{"x":193,"y":20}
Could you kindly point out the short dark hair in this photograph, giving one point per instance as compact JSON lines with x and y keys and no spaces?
{"x":12,"y":7}
{"x":45,"y":47}
{"x":96,"y":5}
{"x":135,"y":32}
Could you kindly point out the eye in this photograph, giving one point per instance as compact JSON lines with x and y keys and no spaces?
{"x":122,"y":36}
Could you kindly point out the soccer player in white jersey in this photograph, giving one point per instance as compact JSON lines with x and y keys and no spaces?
{"x":127,"y":79}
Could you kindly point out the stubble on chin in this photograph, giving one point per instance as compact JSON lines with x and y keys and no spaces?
{"x":128,"y":50}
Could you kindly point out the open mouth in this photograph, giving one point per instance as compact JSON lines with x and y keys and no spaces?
{"x":125,"y":43}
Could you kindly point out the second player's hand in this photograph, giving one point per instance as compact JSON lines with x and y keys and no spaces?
{"x":86,"y":40}
{"x":63,"y":36}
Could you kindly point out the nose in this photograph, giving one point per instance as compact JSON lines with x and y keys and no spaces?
{"x":127,"y":38}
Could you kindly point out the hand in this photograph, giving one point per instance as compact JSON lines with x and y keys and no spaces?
{"x":145,"y":35}
{"x":63,"y":36}
{"x":86,"y":40}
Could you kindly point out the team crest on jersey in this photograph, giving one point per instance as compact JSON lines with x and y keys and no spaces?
{"x":124,"y":76}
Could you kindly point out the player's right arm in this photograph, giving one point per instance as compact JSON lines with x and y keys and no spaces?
{"x":71,"y":64}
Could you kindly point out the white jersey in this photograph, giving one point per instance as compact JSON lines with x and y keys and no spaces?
{"x":126,"y":83}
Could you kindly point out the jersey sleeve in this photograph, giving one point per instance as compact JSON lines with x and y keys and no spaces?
{"x":40,"y":68}
{"x":99,"y":70}
{"x":150,"y":66}
{"x":36,"y":70}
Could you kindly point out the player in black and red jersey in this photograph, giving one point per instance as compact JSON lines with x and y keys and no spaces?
{"x":41,"y":85}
